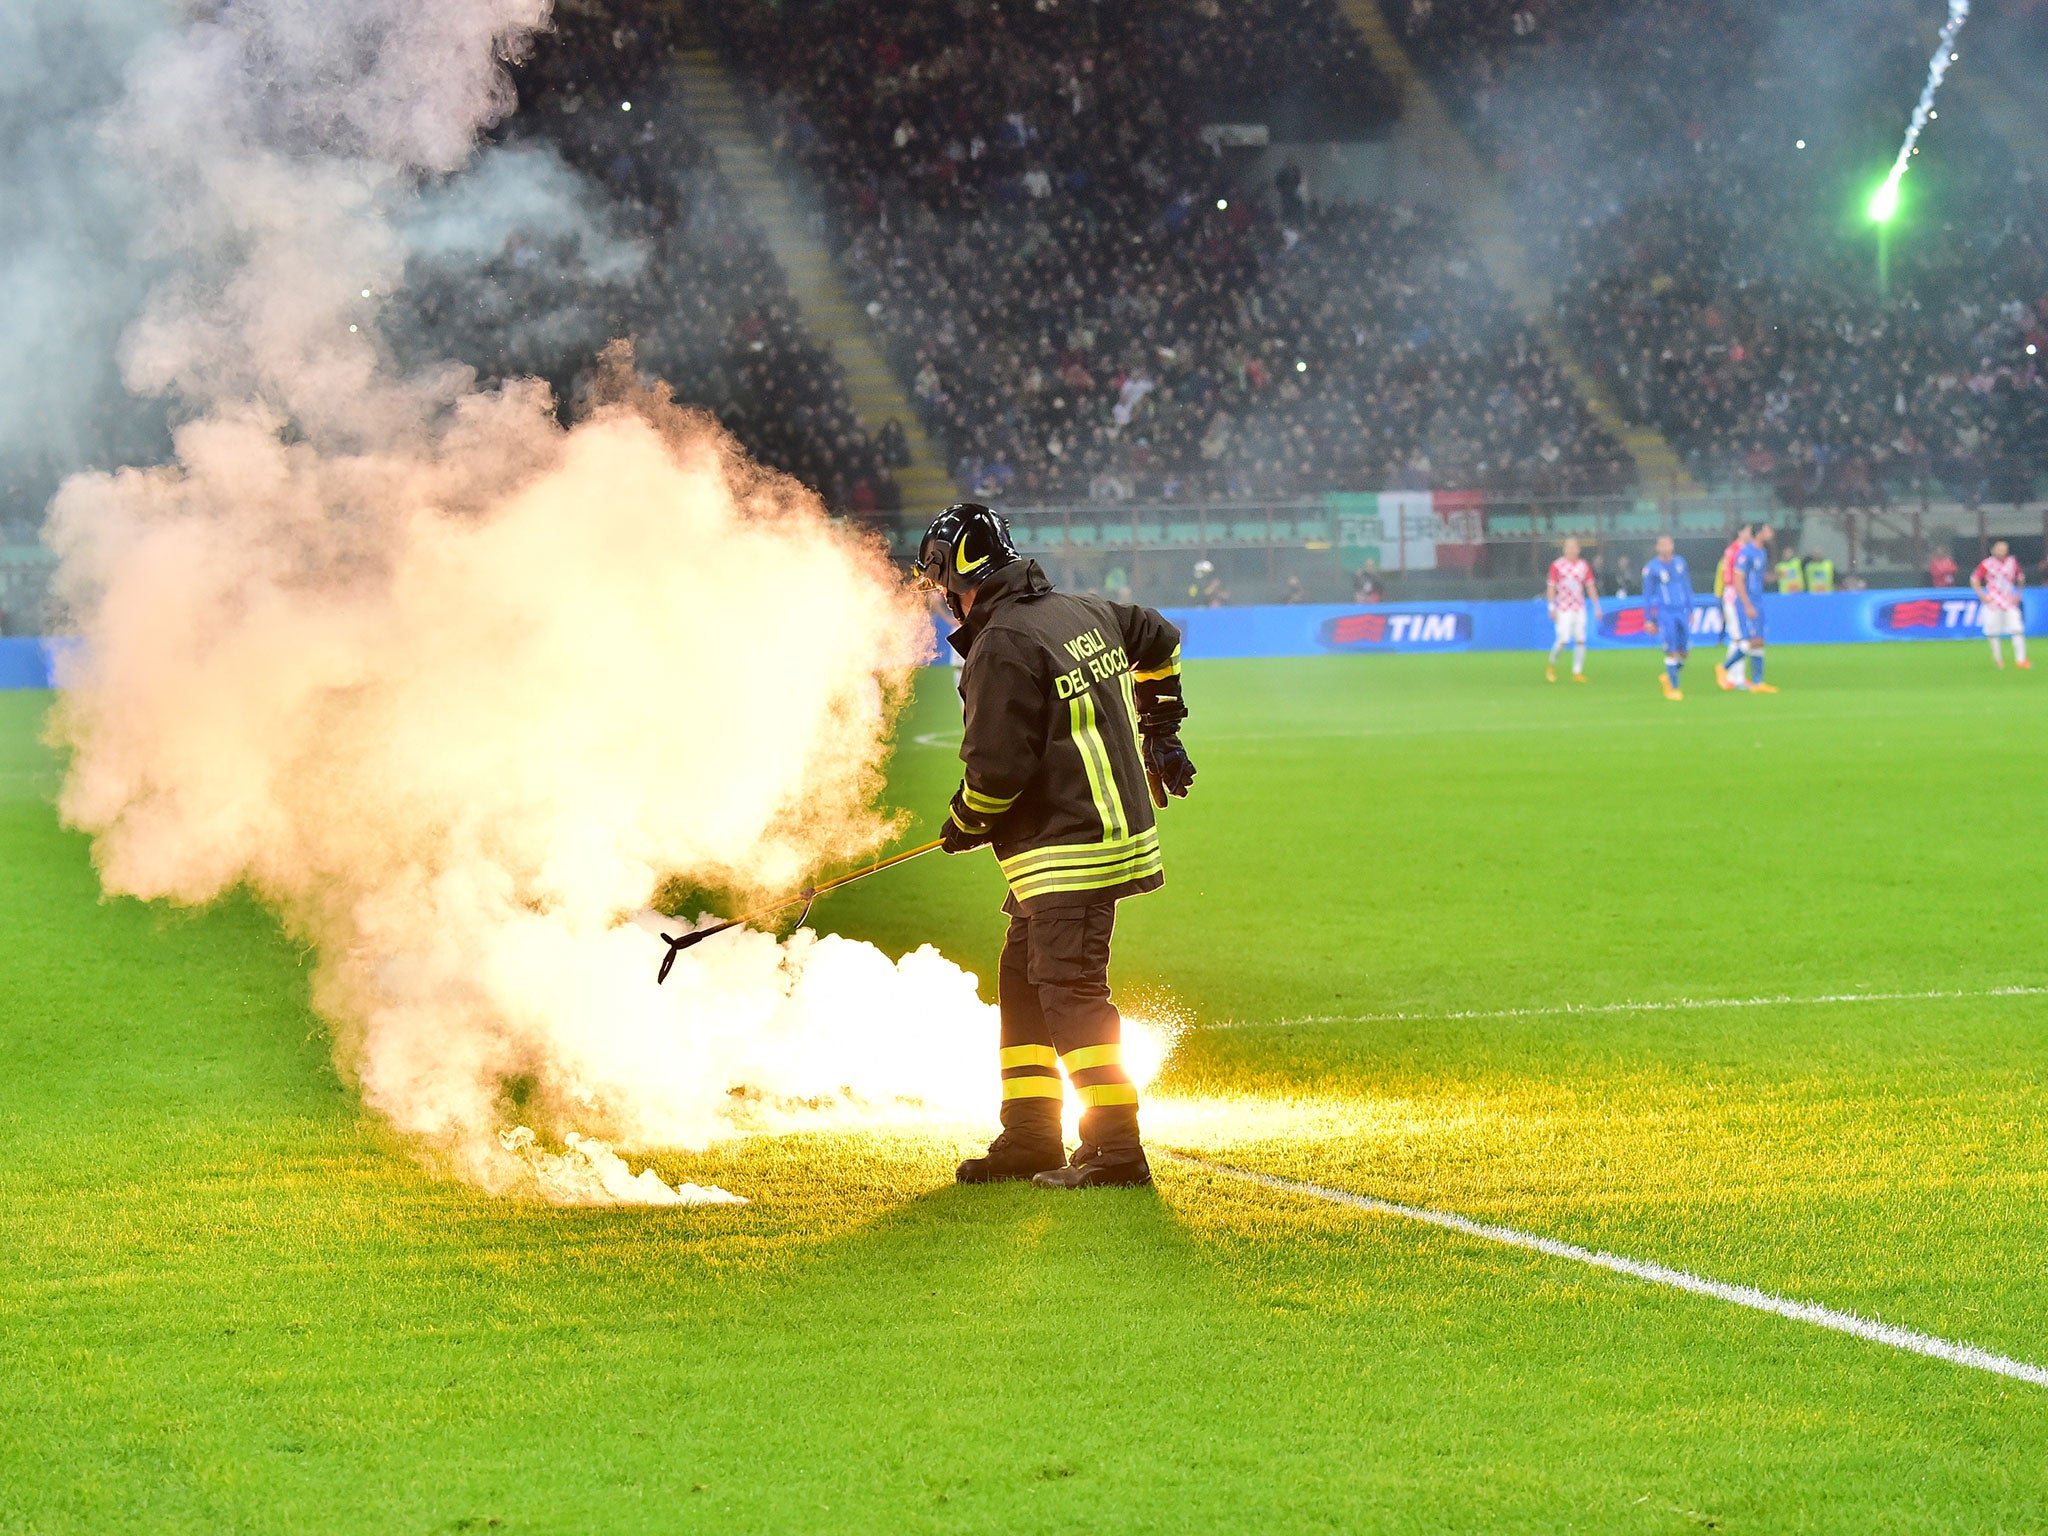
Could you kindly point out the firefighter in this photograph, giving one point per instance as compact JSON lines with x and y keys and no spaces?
{"x":1072,"y":735}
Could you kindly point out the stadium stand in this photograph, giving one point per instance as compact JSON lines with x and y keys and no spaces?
{"x":1086,"y":306}
{"x":1707,"y":265}
{"x":707,"y":309}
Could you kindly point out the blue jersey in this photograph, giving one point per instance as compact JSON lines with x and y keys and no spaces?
{"x":1667,"y":589}
{"x":1749,"y":565}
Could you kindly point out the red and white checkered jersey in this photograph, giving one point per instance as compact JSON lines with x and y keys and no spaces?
{"x":1569,"y":580}
{"x":2000,"y":580}
{"x":1726,"y":577}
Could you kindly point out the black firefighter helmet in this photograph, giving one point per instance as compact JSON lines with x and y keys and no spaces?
{"x":965,"y":545}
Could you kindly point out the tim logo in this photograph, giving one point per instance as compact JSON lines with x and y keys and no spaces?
{"x":1360,"y":631}
{"x":1628,"y":623}
{"x":1927,"y":615}
{"x":1633,"y":622}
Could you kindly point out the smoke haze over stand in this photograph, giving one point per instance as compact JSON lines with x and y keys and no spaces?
{"x":517,"y":264}
{"x":65,"y":264}
{"x":454,"y":688}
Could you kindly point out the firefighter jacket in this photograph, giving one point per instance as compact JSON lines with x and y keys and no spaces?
{"x":1055,"y":688}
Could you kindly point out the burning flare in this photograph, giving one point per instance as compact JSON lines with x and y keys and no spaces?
{"x":456,"y":689}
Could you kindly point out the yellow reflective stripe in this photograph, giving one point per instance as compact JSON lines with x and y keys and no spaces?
{"x":1095,"y":758}
{"x":1029,"y":1056}
{"x":1084,"y":866}
{"x":1111,"y":1055}
{"x":954,"y":817}
{"x":1101,"y":1095}
{"x":1131,"y":855}
{"x":1086,"y":872}
{"x":1171,"y":669}
{"x":1068,"y":855}
{"x":1092,"y":879}
{"x":1037,"y":1088}
{"x":1109,"y":804}
{"x":1131,"y":714}
{"x":988,"y":805}
{"x":1081,"y":866}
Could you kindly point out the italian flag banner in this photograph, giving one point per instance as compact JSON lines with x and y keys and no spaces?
{"x":1409,"y":530}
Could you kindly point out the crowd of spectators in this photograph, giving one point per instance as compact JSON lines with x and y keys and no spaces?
{"x":1693,"y":173}
{"x":664,"y":256}
{"x":1084,"y":301}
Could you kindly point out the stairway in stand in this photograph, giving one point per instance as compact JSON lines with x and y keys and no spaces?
{"x":835,"y":322}
{"x":1448,"y":157}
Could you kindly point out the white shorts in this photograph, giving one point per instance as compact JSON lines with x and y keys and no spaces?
{"x":1735,"y":624}
{"x":2002,"y":621}
{"x":1571,"y":626}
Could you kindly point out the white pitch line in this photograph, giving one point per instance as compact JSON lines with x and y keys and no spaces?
{"x":1673,"y":1005}
{"x":1656,"y":1274}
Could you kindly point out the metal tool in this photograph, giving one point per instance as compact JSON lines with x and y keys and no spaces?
{"x":809,"y":894}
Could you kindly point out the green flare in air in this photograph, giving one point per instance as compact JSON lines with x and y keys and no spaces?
{"x":1884,"y":202}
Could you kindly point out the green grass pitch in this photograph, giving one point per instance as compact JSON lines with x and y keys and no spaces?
{"x":229,"y":1301}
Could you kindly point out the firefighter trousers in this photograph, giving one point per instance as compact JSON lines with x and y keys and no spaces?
{"x":1053,"y":987}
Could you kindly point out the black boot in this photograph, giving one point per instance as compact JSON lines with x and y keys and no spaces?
{"x":1013,"y":1156}
{"x":1093,"y":1168}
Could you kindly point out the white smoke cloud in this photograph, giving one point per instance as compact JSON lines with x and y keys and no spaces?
{"x":455,"y":688}
{"x":519,"y":192}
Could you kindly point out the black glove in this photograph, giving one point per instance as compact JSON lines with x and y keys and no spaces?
{"x":964,"y":830}
{"x":1168,"y":762}
{"x":1160,"y":706}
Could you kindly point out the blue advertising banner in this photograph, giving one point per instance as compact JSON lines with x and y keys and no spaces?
{"x":1834,"y":618}
{"x":1328,"y":629}
{"x":24,"y":663}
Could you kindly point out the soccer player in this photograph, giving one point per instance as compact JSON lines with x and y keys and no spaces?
{"x":1725,"y":583}
{"x":1667,"y":606}
{"x":1569,"y":586}
{"x":1740,"y":581}
{"x":1997,"y":581}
